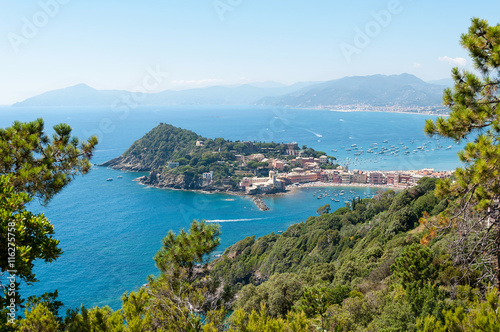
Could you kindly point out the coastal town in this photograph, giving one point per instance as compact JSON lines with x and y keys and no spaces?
{"x":430,"y":110}
{"x":292,"y":169}
{"x":308,"y":173}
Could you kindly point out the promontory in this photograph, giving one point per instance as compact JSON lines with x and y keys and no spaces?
{"x":181,"y":159}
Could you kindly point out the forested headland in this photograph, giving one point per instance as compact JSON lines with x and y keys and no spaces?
{"x":179,"y":158}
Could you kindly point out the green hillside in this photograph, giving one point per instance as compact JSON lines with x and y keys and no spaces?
{"x":349,"y":253}
{"x":196,"y":155}
{"x":164,"y":143}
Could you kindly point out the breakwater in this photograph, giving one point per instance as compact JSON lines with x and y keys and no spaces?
{"x":260,"y":204}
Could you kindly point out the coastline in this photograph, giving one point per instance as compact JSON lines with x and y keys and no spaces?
{"x":290,"y":189}
{"x":366,"y":110}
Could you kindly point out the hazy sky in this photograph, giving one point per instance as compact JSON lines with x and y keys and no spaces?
{"x":111,"y":44}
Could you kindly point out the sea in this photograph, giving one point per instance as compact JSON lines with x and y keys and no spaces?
{"x":110,"y":230}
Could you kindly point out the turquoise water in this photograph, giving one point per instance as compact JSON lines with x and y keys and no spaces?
{"x":110,"y":230}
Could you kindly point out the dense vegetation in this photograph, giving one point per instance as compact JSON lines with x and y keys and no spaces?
{"x":474,"y":103}
{"x":324,"y":239}
{"x":351,"y":261}
{"x":166,"y":143}
{"x":424,"y":259}
{"x":345,"y":270}
{"x":32,"y":165}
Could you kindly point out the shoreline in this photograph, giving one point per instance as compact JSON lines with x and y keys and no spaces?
{"x":364,"y":110}
{"x":290,"y":189}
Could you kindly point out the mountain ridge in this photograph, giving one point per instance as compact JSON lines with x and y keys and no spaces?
{"x":84,"y":95}
{"x":403,"y":91}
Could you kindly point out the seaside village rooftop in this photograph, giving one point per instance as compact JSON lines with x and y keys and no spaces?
{"x":280,"y":173}
{"x":340,"y":176}
{"x":293,"y":169}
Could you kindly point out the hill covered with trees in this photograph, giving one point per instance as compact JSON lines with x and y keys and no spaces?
{"x":178,"y":158}
{"x":366,"y":267}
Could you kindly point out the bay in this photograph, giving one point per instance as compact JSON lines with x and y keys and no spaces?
{"x":110,"y":230}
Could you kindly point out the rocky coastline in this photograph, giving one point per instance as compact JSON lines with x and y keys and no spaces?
{"x":130,"y":163}
{"x":161,"y":180}
{"x":180,"y":182}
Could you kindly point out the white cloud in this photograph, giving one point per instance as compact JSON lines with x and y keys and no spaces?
{"x":453,"y":61}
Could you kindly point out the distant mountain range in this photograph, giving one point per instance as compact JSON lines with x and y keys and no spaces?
{"x":84,"y":95}
{"x":448,"y":82}
{"x":403,"y":90}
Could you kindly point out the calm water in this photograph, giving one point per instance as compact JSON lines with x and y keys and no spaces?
{"x":110,"y":231}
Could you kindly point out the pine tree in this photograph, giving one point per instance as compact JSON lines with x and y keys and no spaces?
{"x":32,"y":165}
{"x":40,"y":319}
{"x":38,"y":165}
{"x":474,"y":112}
{"x":184,"y":290}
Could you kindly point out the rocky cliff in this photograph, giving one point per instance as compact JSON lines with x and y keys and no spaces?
{"x":132,"y":164}
{"x":165,"y":180}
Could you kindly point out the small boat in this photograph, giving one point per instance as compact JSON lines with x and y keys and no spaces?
{"x":119,"y":177}
{"x":109,"y":179}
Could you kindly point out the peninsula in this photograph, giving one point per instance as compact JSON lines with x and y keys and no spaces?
{"x":181,"y":159}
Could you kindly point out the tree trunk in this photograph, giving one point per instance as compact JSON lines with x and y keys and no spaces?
{"x":497,"y":245}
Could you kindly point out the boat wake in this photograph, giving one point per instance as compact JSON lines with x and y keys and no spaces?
{"x":232,"y":220}
{"x":312,"y":132}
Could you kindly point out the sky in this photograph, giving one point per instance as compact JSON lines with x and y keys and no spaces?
{"x":154,"y":45}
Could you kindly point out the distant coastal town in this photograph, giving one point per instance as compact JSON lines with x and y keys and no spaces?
{"x":308,"y":172}
{"x":294,"y":171}
{"x":427,"y":110}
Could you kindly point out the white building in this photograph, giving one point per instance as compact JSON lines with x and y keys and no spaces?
{"x":172,"y":164}
{"x":208,"y":175}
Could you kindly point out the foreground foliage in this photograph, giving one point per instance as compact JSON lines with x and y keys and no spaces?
{"x":474,"y":108}
{"x":32,"y":165}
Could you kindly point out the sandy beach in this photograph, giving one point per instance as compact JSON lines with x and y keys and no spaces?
{"x":329,"y":184}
